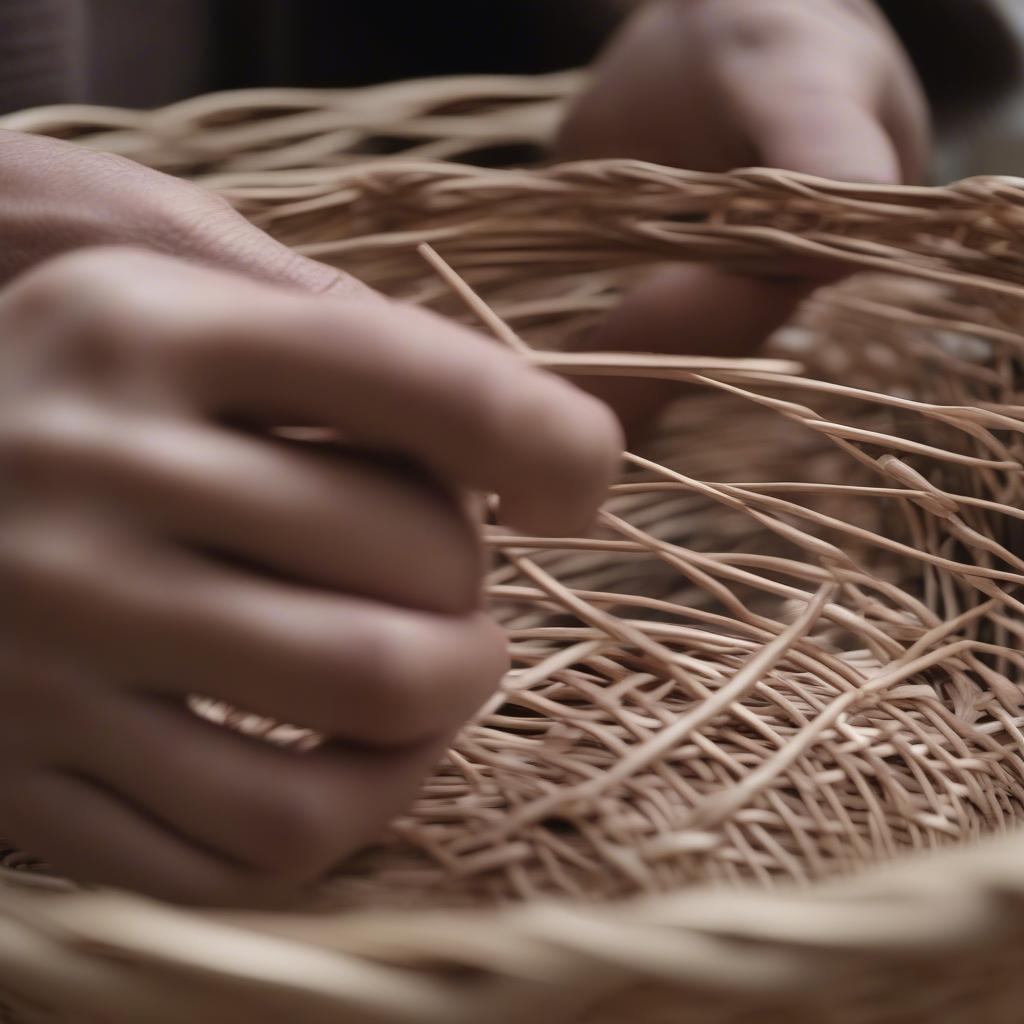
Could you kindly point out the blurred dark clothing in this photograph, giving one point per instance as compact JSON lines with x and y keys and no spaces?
{"x":148,"y":52}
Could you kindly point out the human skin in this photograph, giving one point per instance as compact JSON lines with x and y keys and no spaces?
{"x":158,"y":538}
{"x":818,"y":86}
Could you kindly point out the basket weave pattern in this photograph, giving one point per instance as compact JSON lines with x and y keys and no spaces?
{"x":789,"y":651}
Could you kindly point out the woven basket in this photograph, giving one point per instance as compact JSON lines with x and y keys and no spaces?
{"x":746,"y":714}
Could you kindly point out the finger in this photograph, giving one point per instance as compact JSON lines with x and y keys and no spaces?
{"x":688,"y":310}
{"x":807,"y":94}
{"x":388,"y":377}
{"x":327,"y":519}
{"x":176,"y":623}
{"x":290,"y":813}
{"x":830,"y":135}
{"x":409,"y":382}
{"x":906,"y":115}
{"x":97,"y":838}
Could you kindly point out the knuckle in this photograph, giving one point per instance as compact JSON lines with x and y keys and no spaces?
{"x":400,"y":709}
{"x":49,"y":443}
{"x":116,"y":317}
{"x":33,"y":565}
{"x":93,"y":305}
{"x":293,"y":830}
{"x":79,"y":272}
{"x":345,"y":673}
{"x":52,"y":581}
{"x":418,"y":674}
{"x":448,"y":671}
{"x":767,"y":29}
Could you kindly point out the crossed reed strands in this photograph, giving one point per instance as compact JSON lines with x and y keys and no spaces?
{"x":791,"y":648}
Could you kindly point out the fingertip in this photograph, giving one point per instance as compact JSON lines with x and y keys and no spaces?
{"x":577,"y":456}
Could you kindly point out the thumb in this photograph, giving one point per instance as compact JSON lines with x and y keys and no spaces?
{"x":686,"y":310}
{"x":829,"y":136}
{"x":56,"y":197}
{"x":224,"y":238}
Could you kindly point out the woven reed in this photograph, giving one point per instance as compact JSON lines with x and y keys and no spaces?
{"x":787,"y":659}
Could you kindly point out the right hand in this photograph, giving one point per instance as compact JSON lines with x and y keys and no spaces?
{"x":157,"y":541}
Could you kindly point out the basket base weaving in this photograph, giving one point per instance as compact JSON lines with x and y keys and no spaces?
{"x":782,"y":671}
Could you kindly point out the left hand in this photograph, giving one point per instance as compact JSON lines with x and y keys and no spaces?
{"x":818,"y":86}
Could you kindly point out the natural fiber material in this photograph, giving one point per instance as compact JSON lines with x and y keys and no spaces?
{"x":790,"y":651}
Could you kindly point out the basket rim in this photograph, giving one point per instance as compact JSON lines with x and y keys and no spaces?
{"x":705,"y":938}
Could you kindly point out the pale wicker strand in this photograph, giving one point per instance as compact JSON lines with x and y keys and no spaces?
{"x":783,"y":657}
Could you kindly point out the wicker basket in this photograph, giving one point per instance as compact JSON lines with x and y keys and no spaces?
{"x":745,"y":715}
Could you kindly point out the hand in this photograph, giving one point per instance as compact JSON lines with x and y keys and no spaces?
{"x":819,"y":86}
{"x":156,"y":540}
{"x":56,"y":197}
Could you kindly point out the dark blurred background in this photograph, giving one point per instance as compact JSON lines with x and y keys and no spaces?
{"x":144,"y":53}
{"x":148,"y":52}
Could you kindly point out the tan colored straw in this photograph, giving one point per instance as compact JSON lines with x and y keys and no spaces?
{"x":761,"y":753}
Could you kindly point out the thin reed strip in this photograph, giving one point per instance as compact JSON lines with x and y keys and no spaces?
{"x":789,"y":653}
